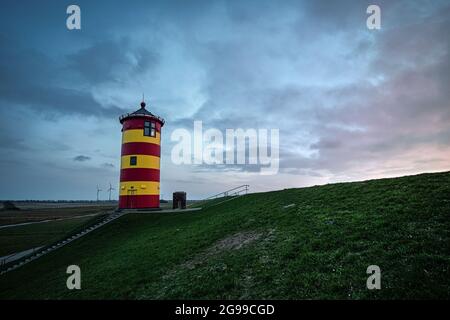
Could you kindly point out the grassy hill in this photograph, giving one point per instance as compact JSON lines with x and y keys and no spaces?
{"x":254,"y":247}
{"x":25,"y":237}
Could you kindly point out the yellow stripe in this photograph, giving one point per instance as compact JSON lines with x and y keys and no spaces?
{"x":137,"y":135}
{"x":139,"y":187}
{"x":143,"y":161}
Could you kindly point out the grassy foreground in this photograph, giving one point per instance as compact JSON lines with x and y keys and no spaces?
{"x":26,"y":237}
{"x":254,"y":247}
{"x":38,"y":214}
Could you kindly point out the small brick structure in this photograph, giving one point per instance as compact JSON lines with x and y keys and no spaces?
{"x":179,"y":200}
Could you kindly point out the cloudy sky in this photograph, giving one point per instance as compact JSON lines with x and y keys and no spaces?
{"x":350,"y":103}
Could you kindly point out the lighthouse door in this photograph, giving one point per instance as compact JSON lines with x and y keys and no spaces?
{"x":130,"y":198}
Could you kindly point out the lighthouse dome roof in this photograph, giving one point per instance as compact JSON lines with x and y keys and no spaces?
{"x":142,"y":112}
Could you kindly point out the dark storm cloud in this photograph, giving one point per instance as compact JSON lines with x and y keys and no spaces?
{"x":9,"y":141}
{"x":81,"y":158}
{"x":333,"y":16}
{"x":50,"y":87}
{"x":33,"y":80}
{"x":326,"y":144}
{"x":398,"y":104}
{"x":413,"y":98}
{"x":111,"y":61}
{"x":108,"y":165}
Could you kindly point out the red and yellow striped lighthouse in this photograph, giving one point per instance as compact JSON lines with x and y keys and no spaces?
{"x":141,"y":151}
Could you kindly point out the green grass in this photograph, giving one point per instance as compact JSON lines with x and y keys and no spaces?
{"x":320,"y":248}
{"x":21,"y":238}
{"x":205,"y":204}
{"x":38,"y":214}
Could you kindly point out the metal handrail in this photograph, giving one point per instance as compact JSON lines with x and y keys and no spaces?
{"x":233,"y":195}
{"x":227,"y":192}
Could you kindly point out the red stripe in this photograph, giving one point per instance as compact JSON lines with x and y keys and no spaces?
{"x":138,"y":202}
{"x":138,"y":123}
{"x":150,"y":149}
{"x":139,"y":174}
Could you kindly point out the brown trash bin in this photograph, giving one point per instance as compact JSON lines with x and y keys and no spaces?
{"x":179,"y":200}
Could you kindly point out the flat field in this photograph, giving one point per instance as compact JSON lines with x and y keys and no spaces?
{"x":38,"y":212}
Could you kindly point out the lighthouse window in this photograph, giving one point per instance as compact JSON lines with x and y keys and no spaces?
{"x":153,"y":130}
{"x":149,"y":129}
{"x":133,"y":161}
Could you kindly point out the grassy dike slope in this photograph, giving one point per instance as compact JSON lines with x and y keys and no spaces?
{"x":252,"y":247}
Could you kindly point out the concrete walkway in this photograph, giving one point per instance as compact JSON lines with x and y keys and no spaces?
{"x":17,"y":255}
{"x":48,"y":220}
{"x":160,"y":211}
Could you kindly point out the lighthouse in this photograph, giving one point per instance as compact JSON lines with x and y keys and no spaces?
{"x":140,"y":159}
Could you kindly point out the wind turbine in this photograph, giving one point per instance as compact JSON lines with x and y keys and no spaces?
{"x":98,"y":191}
{"x":110,"y":189}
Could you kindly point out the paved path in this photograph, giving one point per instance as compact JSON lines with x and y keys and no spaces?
{"x":17,"y":255}
{"x":160,"y":211}
{"x":48,"y":220}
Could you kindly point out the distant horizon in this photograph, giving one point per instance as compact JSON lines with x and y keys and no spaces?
{"x":166,"y":199}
